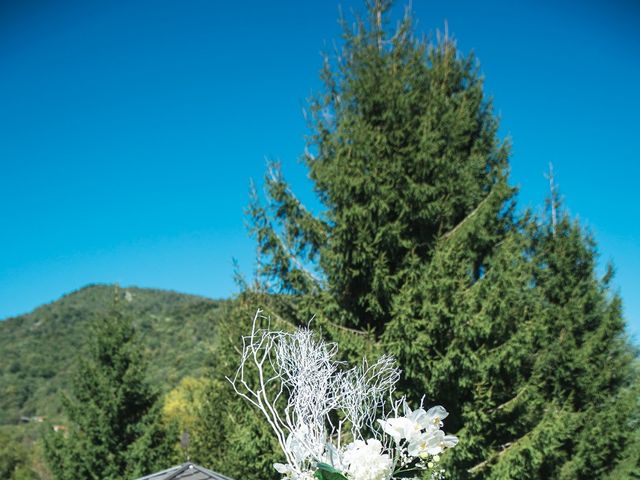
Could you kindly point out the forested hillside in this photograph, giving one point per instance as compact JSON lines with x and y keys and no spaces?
{"x":39,"y":349}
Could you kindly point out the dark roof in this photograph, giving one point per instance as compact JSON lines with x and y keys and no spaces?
{"x":187,"y":471}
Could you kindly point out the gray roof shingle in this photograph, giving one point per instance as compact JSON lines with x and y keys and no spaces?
{"x":187,"y":471}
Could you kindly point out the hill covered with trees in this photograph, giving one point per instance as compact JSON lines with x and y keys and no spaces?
{"x":39,"y":348}
{"x":40,"y":351}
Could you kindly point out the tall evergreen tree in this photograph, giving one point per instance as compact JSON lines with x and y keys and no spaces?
{"x":115,"y":429}
{"x":403,"y":152}
{"x":584,"y":368}
{"x":418,"y":253}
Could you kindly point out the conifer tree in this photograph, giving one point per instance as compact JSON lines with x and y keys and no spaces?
{"x":584,"y":368}
{"x":418,"y":253}
{"x":114,"y":422}
{"x":403,"y":152}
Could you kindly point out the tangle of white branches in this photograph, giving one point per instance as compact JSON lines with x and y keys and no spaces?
{"x":305,"y":394}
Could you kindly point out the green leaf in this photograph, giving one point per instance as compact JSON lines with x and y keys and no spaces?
{"x":327,"y":472}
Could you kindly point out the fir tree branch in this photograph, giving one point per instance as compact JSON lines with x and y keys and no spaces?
{"x":504,"y":405}
{"x":347,"y":329}
{"x":467,"y":218}
{"x":293,"y":258}
{"x":505,"y":448}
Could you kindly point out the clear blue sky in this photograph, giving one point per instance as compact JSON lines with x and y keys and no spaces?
{"x":129,"y":130}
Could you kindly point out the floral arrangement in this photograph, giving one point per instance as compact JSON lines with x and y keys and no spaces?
{"x":334,"y":422}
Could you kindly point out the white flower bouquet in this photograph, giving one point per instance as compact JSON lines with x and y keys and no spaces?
{"x":334,"y":422}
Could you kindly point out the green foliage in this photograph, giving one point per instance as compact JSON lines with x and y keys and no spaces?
{"x":327,"y":472}
{"x":115,"y":428}
{"x":182,"y":404}
{"x":403,"y":151}
{"x":231,"y":437}
{"x":13,"y":456}
{"x":418,"y":252}
{"x":21,"y":453}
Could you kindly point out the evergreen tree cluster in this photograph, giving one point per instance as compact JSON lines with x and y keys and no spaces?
{"x":419,"y":252}
{"x":115,"y":429}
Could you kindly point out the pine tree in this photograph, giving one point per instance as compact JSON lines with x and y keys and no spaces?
{"x":115,"y":429}
{"x":404,"y":151}
{"x":586,"y":366}
{"x":418,"y":253}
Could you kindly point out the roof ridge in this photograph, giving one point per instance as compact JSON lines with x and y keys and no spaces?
{"x":215,"y":475}
{"x":183,"y":467}
{"x":175,"y":472}
{"x":155,"y":474}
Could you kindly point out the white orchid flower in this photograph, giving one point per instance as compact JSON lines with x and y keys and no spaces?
{"x":429,"y":420}
{"x":400,"y":427}
{"x":435,"y":415}
{"x":431,"y":443}
{"x":416,"y":421}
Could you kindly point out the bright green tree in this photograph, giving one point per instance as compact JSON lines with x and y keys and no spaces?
{"x":407,"y":163}
{"x":14,"y":458}
{"x":114,"y":419}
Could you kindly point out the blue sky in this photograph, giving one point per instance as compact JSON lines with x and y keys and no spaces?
{"x":129,"y":130}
